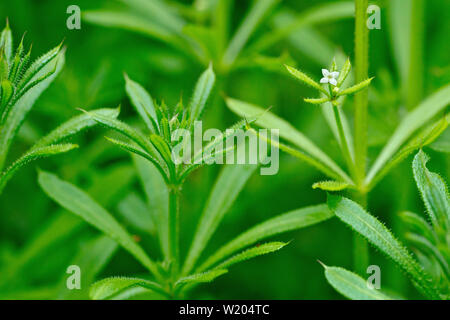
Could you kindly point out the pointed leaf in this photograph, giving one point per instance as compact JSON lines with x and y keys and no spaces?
{"x":109,"y":287}
{"x":78,"y":202}
{"x":376,"y":233}
{"x":330,"y":185}
{"x":201,"y":93}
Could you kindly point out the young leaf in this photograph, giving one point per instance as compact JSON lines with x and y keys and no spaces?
{"x":344,"y":72}
{"x":306,"y":79}
{"x":351,"y":285}
{"x":143,"y":103}
{"x":20,"y":109}
{"x":207,"y":276}
{"x":316,"y":101}
{"x":32,"y":155}
{"x":78,"y":202}
{"x":287,"y":131}
{"x":414,"y":120}
{"x":356,"y":88}
{"x":330,"y":185}
{"x":376,"y":233}
{"x":110,"y":287}
{"x":433,"y":191}
{"x":201,"y":93}
{"x":416,"y":224}
{"x":292,"y":220}
{"x":253,"y":252}
{"x":6,"y":42}
{"x":74,"y":126}
{"x":226,"y":189}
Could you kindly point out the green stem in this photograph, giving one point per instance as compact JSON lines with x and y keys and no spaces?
{"x":174,"y":192}
{"x":343,"y":141}
{"x":360,"y":247}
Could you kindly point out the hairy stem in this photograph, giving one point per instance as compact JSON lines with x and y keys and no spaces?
{"x":174,"y":193}
{"x":360,"y":247}
{"x":343,"y":141}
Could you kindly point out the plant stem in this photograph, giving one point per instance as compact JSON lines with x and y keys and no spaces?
{"x":361,"y":98}
{"x":174,"y":192}
{"x":360,"y":247}
{"x":343,"y":141}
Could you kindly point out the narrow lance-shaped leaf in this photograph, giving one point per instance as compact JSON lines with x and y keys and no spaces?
{"x":78,"y":202}
{"x":306,"y":79}
{"x":433,"y":191}
{"x":19,"y":111}
{"x":6,"y":42}
{"x":143,"y":103}
{"x":330,"y":185}
{"x":201,"y":93}
{"x":32,"y":155}
{"x":74,"y":126}
{"x":351,"y":285}
{"x":268,"y":120}
{"x":356,"y":88}
{"x":376,"y":233}
{"x":207,"y":276}
{"x":292,"y":220}
{"x":413,"y":121}
{"x":109,"y":287}
{"x":253,"y":252}
{"x":226,"y":189}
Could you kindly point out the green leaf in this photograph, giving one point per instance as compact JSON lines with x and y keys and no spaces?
{"x":20,"y":109}
{"x":330,"y":185}
{"x":162,"y":147}
{"x":344,"y":72}
{"x":356,"y":88}
{"x":376,"y":233}
{"x":250,"y":23}
{"x":417,"y":224}
{"x":78,"y":202}
{"x":157,"y":198}
{"x":253,"y":252}
{"x":203,"y":277}
{"x":74,"y":126}
{"x":109,"y":287}
{"x":316,"y":100}
{"x":140,"y":152}
{"x":143,"y":103}
{"x":306,"y":79}
{"x":136,"y":212}
{"x":33,"y":155}
{"x":414,"y":120}
{"x":351,"y":285}
{"x":289,"y":221}
{"x":433,"y":191}
{"x":7,"y":91}
{"x":327,"y":12}
{"x":91,"y":259}
{"x":426,"y":136}
{"x":201,"y":93}
{"x":226,"y":189}
{"x":287,"y":131}
{"x":6,"y":42}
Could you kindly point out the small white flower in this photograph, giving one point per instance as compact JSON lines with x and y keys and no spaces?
{"x":329,"y":77}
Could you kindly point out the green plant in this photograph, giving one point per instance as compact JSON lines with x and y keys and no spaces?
{"x":21,"y":84}
{"x":411,"y":134}
{"x":430,"y":242}
{"x":163,"y":178}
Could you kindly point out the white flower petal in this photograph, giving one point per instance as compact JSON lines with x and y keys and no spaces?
{"x":335,"y":74}
{"x":325,"y":72}
{"x":324,"y":80}
{"x":333,"y":81}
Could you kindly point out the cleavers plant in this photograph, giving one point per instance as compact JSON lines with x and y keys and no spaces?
{"x":22,"y":82}
{"x":163,"y":178}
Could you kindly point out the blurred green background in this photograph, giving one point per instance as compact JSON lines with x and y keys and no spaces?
{"x":38,"y":239}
